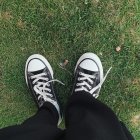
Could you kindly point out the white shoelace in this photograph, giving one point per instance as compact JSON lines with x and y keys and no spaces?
{"x":82,"y":83}
{"x":42,"y":88}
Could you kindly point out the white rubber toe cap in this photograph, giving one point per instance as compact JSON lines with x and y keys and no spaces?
{"x":35,"y":65}
{"x":37,"y":62}
{"x":92,"y":62}
{"x":89,"y":64}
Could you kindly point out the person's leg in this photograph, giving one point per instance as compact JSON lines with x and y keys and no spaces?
{"x":86,"y":117}
{"x":43,"y":125}
{"x":46,"y":115}
{"x":127,"y":132}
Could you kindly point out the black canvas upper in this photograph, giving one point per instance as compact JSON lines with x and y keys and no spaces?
{"x":96,"y":81}
{"x":31,"y":85}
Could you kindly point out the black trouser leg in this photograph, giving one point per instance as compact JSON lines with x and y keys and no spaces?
{"x":42,"y":126}
{"x":127,"y":133}
{"x":86,"y":119}
{"x":89,"y":119}
{"x":46,"y":115}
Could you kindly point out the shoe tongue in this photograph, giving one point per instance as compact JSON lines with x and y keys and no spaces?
{"x":37,"y":72}
{"x":88,"y":71}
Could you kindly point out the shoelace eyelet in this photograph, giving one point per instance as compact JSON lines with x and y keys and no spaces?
{"x":78,"y":79}
{"x":80,"y":73}
{"x":92,"y":82}
{"x":48,"y":84}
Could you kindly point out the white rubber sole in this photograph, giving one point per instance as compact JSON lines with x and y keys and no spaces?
{"x":93,"y":57}
{"x":42,"y":58}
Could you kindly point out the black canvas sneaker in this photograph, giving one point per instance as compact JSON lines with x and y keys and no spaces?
{"x":89,"y":74}
{"x":39,"y":79}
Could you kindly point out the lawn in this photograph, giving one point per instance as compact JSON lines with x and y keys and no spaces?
{"x":65,"y":29}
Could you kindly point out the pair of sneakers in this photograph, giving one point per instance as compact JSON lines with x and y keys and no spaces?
{"x":39,"y":78}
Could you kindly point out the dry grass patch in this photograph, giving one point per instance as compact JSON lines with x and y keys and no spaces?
{"x":135,"y":120}
{"x":6,"y":16}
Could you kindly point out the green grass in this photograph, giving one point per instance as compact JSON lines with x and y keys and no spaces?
{"x":65,"y":29}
